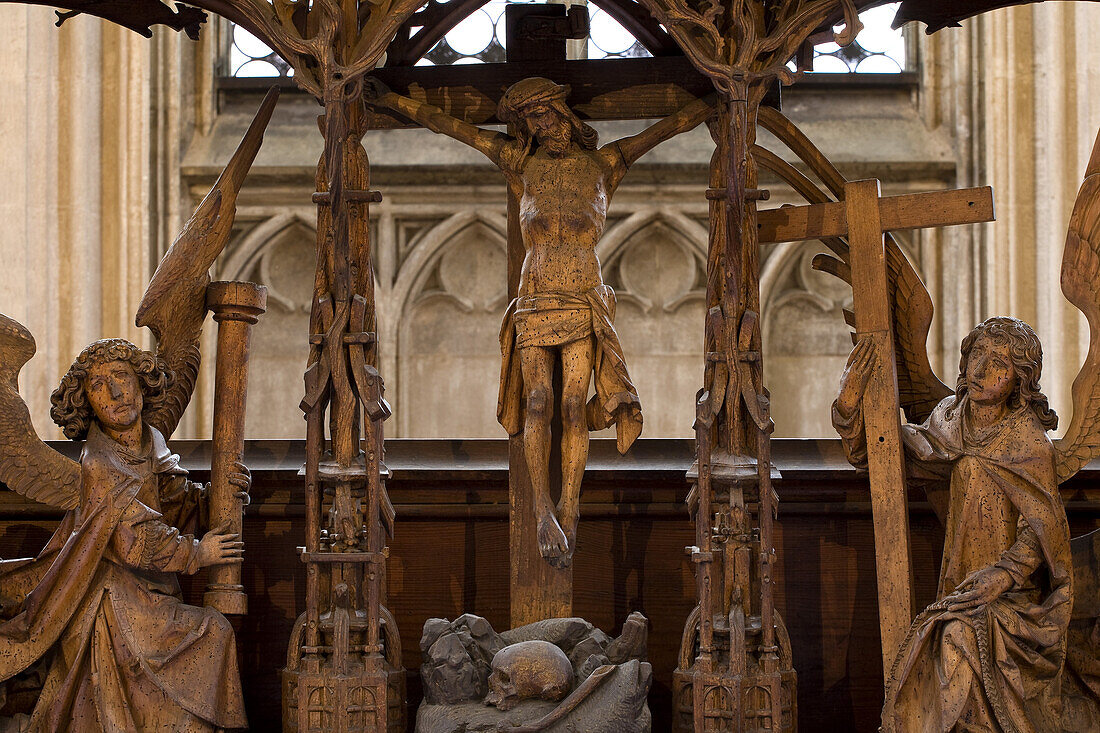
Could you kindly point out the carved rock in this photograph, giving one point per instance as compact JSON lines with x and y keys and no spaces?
{"x":457,"y":658}
{"x":554,"y":675}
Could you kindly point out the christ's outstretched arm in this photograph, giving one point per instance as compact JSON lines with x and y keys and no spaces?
{"x":488,"y":142}
{"x":687,"y":118}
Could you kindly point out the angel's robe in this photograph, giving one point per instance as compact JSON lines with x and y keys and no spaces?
{"x":998,"y":666}
{"x":103,"y":601}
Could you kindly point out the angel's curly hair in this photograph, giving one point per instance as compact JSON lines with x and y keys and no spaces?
{"x":71,"y":410}
{"x":1027,"y":358}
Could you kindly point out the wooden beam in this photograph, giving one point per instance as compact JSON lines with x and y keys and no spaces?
{"x":881,"y":416}
{"x":537,"y":590}
{"x":604,"y":89}
{"x":909,"y":211}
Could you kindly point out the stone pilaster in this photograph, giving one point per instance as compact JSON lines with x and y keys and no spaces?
{"x":1021,"y":88}
{"x":74,"y":213}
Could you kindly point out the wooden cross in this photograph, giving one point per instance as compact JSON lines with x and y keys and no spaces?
{"x":863,"y":217}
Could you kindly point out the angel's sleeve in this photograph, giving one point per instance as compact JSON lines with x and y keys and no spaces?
{"x":144,"y":540}
{"x":852,"y":435}
{"x":924,"y":458}
{"x":1024,"y":556}
{"x":183,"y":503}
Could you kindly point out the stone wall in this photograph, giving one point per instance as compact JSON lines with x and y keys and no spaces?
{"x":76,"y":204}
{"x":111,"y":139}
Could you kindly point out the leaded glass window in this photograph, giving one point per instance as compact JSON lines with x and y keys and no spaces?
{"x":879,"y":49}
{"x":480,"y":38}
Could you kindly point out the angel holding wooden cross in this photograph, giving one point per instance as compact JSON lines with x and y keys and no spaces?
{"x":993,"y":652}
{"x":998,"y":627}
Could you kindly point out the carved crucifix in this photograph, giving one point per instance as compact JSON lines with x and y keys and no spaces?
{"x":863,"y":218}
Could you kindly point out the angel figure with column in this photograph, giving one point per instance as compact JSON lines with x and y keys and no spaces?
{"x":100,"y":611}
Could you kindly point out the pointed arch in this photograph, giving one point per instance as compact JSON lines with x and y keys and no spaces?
{"x":250,"y":248}
{"x":445,"y":337}
{"x":417,"y":265}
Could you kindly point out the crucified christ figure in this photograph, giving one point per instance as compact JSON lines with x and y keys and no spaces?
{"x":564,"y":312}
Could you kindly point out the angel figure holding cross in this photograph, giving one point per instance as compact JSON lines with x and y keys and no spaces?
{"x":991,"y":649}
{"x":994,"y":651}
{"x":564,"y":313}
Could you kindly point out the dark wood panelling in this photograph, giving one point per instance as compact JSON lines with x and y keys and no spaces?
{"x":449,"y":556}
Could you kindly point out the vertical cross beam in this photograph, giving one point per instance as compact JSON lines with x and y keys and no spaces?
{"x":881,"y":414}
{"x":536,"y":590}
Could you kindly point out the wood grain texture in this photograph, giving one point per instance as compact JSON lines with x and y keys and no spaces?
{"x":452,"y":532}
{"x":881,"y":416}
{"x":236,"y":306}
{"x":599,"y":90}
{"x":898,"y":213}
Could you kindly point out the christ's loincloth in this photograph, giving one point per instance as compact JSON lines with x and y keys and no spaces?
{"x":553,"y":319}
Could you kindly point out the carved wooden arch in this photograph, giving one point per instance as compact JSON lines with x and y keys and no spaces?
{"x":436,"y":19}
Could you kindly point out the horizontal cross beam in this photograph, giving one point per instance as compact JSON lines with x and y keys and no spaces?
{"x":603,"y":89}
{"x":909,"y":211}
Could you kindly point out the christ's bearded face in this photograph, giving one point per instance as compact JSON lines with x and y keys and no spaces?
{"x":549,"y":127}
{"x":114,"y":393}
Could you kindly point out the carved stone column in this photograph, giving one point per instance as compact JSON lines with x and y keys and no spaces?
{"x":1019,"y":88}
{"x":74,"y":187}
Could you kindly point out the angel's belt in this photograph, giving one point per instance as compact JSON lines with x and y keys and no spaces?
{"x":553,"y":319}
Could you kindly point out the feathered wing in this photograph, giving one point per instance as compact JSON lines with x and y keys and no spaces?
{"x":919,"y":390}
{"x":1081,"y":285}
{"x":27,"y":465}
{"x":174,"y":306}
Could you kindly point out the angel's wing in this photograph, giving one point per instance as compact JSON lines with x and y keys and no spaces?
{"x":174,"y":306}
{"x":919,"y":389}
{"x":1081,"y":285}
{"x":27,"y":465}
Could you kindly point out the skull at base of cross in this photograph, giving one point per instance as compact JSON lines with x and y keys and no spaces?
{"x":529,"y":669}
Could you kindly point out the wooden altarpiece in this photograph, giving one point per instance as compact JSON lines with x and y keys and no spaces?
{"x":343,"y":669}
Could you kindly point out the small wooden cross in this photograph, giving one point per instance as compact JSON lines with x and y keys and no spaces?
{"x":863,"y":217}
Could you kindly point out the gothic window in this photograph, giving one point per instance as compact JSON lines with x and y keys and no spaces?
{"x":480,"y":38}
{"x":250,"y":57}
{"x":879,"y":49}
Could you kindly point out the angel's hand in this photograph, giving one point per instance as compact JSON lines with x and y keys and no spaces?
{"x":219,"y":546}
{"x":980,"y":588}
{"x":241,"y":478}
{"x":857,"y":372}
